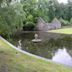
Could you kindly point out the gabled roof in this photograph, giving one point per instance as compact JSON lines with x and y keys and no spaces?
{"x":55,"y":20}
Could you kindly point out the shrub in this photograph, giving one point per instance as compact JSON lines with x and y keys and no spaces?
{"x":64,"y":22}
{"x":71,"y":21}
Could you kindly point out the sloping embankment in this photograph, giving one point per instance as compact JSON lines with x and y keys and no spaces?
{"x":13,"y":60}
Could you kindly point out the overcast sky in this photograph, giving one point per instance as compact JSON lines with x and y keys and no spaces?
{"x":62,"y":1}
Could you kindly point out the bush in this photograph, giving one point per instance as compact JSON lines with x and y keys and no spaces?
{"x":71,"y":21}
{"x":28,"y":26}
{"x":64,"y":22}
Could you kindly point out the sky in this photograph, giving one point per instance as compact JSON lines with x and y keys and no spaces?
{"x":62,"y":1}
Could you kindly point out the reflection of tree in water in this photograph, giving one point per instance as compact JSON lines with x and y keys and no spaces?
{"x":68,"y":42}
{"x":60,"y":42}
{"x":47,"y":47}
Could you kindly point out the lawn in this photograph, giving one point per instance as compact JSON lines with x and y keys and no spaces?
{"x":12,"y":60}
{"x":62,"y":31}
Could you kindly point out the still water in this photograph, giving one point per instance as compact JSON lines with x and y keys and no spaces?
{"x":57,"y":47}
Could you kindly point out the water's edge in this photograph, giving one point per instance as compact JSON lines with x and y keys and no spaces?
{"x":27,"y":53}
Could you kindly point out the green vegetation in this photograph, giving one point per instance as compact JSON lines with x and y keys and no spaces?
{"x":71,"y":20}
{"x":23,"y":14}
{"x":13,"y":61}
{"x":63,"y":31}
{"x":10,"y":18}
{"x":64,"y":22}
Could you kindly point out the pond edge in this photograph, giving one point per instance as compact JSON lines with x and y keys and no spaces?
{"x":29,"y":54}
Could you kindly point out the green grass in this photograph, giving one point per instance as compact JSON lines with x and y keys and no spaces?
{"x":12,"y":62}
{"x":62,"y":31}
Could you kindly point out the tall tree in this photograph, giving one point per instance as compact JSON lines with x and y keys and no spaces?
{"x":53,"y":7}
{"x":64,"y":11}
{"x":43,"y":9}
{"x":10,"y":20}
{"x":30,"y":10}
{"x":69,"y":9}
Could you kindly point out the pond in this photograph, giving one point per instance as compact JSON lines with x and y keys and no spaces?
{"x":56,"y":47}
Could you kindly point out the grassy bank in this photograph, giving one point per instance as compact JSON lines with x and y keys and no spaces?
{"x":62,"y":31}
{"x":14,"y":61}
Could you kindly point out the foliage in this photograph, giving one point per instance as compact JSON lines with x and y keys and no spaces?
{"x":43,"y":9}
{"x":71,"y":21}
{"x":64,"y":11}
{"x":30,"y":9}
{"x":69,"y":9}
{"x":10,"y":21}
{"x":53,"y":7}
{"x":64,"y":22}
{"x":49,"y":9}
{"x":16,"y":15}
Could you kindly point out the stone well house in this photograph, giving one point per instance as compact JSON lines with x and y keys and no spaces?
{"x":43,"y":26}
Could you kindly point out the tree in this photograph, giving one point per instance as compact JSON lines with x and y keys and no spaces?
{"x":31,"y":13}
{"x":10,"y":20}
{"x":69,"y":9}
{"x":71,"y":21}
{"x":53,"y":7}
{"x":43,"y":9}
{"x":64,"y":22}
{"x":64,"y":11}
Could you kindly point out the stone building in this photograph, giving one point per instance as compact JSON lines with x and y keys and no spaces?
{"x":43,"y":26}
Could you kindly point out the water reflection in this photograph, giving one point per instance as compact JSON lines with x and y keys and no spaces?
{"x":49,"y":45}
{"x":63,"y":57}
